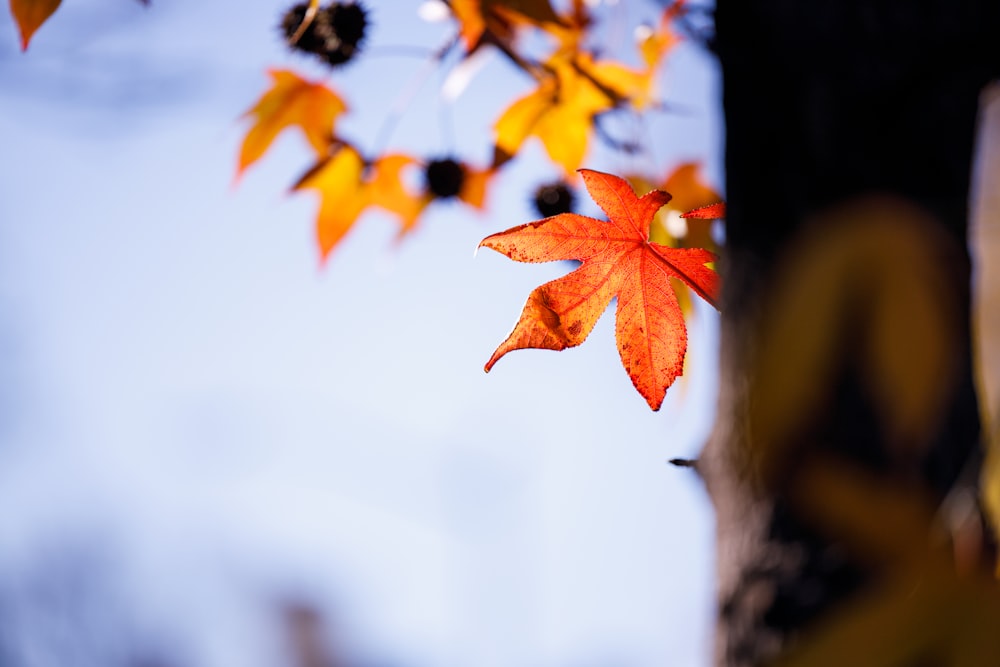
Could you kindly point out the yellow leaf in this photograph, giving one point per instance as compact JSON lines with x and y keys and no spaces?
{"x":499,"y":18}
{"x":347,"y":187}
{"x":343,"y":195}
{"x":655,"y":43}
{"x":559,"y":112}
{"x":689,"y":189}
{"x":869,"y":288}
{"x":625,"y":83}
{"x":518,"y":122}
{"x":923,"y":607}
{"x":30,"y":15}
{"x":390,"y":193}
{"x":291,"y":102}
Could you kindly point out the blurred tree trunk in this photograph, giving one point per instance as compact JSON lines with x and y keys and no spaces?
{"x":848,"y":415}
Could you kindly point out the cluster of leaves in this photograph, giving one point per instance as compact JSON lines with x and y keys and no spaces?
{"x":651,"y":252}
{"x":645,"y":255}
{"x":347,"y":182}
{"x":573,"y":89}
{"x":649,"y":264}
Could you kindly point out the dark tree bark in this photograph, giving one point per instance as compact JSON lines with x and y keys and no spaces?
{"x":843,"y":118}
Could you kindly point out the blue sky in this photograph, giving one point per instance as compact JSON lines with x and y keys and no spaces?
{"x":202,"y":421}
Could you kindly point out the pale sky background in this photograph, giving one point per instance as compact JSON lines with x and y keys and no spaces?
{"x":198,"y":423}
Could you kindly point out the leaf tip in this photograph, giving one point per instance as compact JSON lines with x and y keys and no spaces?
{"x":26,"y":32}
{"x":710,"y":212}
{"x":486,"y":243}
{"x":497,"y":355}
{"x":241,"y":169}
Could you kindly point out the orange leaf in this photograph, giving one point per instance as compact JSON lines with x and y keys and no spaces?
{"x":343,"y":195}
{"x":691,"y":192}
{"x":622,"y":82}
{"x":474,"y":185}
{"x":688,"y":188}
{"x":654,"y":44}
{"x":618,"y":260}
{"x":291,"y":102}
{"x":560,"y":112}
{"x":711,"y":212}
{"x":497,"y":18}
{"x":348,"y":187}
{"x":30,"y":15}
{"x":388,"y":191}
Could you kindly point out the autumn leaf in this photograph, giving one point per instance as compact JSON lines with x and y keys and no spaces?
{"x":654,"y":44}
{"x":343,"y":195}
{"x":617,"y":260}
{"x":625,"y":84}
{"x":699,"y":203}
{"x":474,"y":186}
{"x":673,"y":224}
{"x":497,"y":18}
{"x":688,"y":191}
{"x":348,"y":187}
{"x":689,"y":188}
{"x":925,"y":605}
{"x":388,"y":191}
{"x":30,"y":15}
{"x":710,"y":212}
{"x":560,"y":111}
{"x":575,"y":87}
{"x":291,"y":102}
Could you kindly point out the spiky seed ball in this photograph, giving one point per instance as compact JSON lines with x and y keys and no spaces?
{"x":349,"y":21}
{"x":444,"y":178}
{"x":553,"y":199}
{"x":309,"y":41}
{"x":334,"y":35}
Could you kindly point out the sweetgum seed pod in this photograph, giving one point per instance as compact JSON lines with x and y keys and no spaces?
{"x":334,"y":35}
{"x":346,"y":24}
{"x":349,"y":21}
{"x":553,"y":198}
{"x":309,"y":41}
{"x":444,"y":178}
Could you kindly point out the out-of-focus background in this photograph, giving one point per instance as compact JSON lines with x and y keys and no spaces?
{"x":214,"y":452}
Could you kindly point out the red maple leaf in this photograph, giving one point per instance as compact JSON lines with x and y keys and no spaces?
{"x":618,"y":260}
{"x":710,"y":212}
